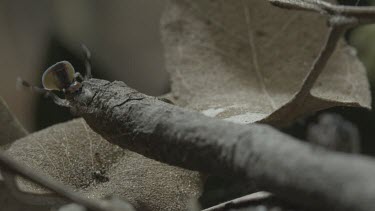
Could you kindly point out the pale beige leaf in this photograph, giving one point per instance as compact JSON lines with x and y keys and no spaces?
{"x":10,"y":130}
{"x":73,"y":154}
{"x":242,"y":60}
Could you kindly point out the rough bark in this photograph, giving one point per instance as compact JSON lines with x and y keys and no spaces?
{"x":299,"y":172}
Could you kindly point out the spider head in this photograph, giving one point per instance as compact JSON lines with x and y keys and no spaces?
{"x":62,"y":77}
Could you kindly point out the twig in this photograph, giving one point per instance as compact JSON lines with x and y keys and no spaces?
{"x":338,"y":27}
{"x":362,"y":14}
{"x":7,"y":164}
{"x":240,"y":202}
{"x":298,"y":172}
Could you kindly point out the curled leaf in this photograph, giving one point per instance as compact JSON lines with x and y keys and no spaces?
{"x":244,"y":60}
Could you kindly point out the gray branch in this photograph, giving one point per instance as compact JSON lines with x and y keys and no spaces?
{"x":304,"y":174}
{"x":362,"y":14}
{"x":240,"y":202}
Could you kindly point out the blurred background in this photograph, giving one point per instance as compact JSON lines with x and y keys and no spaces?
{"x":123,"y":37}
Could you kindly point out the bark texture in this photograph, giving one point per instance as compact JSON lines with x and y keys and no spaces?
{"x":299,"y":172}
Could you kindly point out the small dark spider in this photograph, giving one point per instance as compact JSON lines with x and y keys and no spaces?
{"x":99,"y":176}
{"x":61,"y":77}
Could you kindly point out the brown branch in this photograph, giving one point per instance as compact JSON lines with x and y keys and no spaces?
{"x":303,"y":95}
{"x":8,"y":164}
{"x":299,"y":172}
{"x":338,"y":27}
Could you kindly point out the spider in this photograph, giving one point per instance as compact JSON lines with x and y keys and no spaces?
{"x":61,"y":77}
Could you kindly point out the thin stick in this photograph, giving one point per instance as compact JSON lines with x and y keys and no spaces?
{"x":240,"y":202}
{"x":320,"y":62}
{"x":87,"y":53}
{"x":47,"y":93}
{"x":363,"y":14}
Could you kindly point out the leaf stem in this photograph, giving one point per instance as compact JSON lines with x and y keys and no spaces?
{"x":320,"y":62}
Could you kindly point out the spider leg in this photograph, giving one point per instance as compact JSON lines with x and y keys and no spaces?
{"x":20,"y":84}
{"x":87,"y":53}
{"x":57,"y":100}
{"x":24,"y":84}
{"x":78,"y":75}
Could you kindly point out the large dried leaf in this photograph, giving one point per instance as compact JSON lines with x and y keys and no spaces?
{"x":242,"y":60}
{"x":73,"y":154}
{"x":10,"y":130}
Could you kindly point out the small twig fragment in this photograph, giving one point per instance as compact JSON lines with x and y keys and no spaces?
{"x":364,"y":14}
{"x":320,"y":62}
{"x":236,"y":203}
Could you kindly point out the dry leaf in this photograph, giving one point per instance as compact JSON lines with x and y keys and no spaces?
{"x":10,"y":130}
{"x":73,"y":154}
{"x":243,"y":60}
